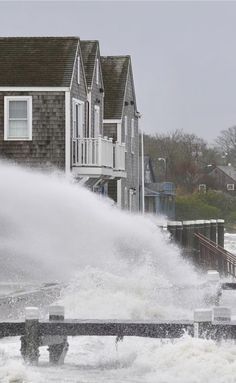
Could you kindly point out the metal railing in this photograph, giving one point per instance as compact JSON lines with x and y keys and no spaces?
{"x":213,"y":256}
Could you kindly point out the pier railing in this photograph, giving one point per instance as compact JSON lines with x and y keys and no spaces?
{"x":213,"y":323}
{"x":203,"y":242}
{"x":213,"y":256}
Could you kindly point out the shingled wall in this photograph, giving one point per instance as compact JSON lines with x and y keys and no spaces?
{"x":47,"y":148}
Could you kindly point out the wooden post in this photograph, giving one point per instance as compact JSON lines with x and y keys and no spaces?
{"x":213,"y":281}
{"x":188,"y":229}
{"x":207,"y":229}
{"x":202,"y":318}
{"x":220,"y":232}
{"x":30,"y":341}
{"x":59,"y":347}
{"x":221,"y":314}
{"x":179,"y":232}
{"x":213,"y":230}
{"x":171,"y":227}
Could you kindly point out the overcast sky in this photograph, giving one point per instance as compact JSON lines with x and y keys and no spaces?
{"x":183,"y":53}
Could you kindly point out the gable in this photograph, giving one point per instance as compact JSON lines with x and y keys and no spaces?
{"x":90,"y":54}
{"x":37,"y":61}
{"x":130,"y":96}
{"x":114,"y":71}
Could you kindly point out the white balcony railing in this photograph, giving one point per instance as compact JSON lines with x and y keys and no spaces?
{"x":98,"y":152}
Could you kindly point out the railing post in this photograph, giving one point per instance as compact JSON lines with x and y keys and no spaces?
{"x":207,"y":229}
{"x":31,"y":340}
{"x":117,"y":164}
{"x":171,"y":227}
{"x":202,"y":320}
{"x":179,"y":232}
{"x":57,"y":352}
{"x":187,"y":237}
{"x":110,"y":140}
{"x":100,"y":150}
{"x":213,"y":288}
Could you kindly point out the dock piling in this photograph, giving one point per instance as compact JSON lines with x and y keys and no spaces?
{"x":30,"y":341}
{"x":59,"y":347}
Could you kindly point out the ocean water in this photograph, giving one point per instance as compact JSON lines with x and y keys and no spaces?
{"x":110,"y":264}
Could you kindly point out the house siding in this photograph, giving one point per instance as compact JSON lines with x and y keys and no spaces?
{"x":132,"y":159}
{"x":47,"y":148}
{"x":222,"y":180}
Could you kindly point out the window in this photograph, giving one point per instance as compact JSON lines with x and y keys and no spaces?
{"x":132,"y":135}
{"x":78,"y":69}
{"x":78,"y":119}
{"x":96,"y":121}
{"x":18,"y":118}
{"x":202,"y":188}
{"x":97,"y":72}
{"x":230,"y":186}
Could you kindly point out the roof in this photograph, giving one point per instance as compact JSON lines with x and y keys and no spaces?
{"x":115,"y":71}
{"x":229,"y":170}
{"x":89,"y":53}
{"x":37,"y":61}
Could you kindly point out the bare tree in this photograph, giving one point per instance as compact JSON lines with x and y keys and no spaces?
{"x":226,"y":143}
{"x":186,"y":156}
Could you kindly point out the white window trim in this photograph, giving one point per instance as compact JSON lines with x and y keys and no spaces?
{"x":97,"y":71}
{"x":34,"y":88}
{"x":82,"y":121}
{"x":230,"y":187}
{"x":78,"y":69}
{"x":6,"y":117}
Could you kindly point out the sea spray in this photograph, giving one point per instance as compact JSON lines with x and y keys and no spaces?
{"x":51,"y":228}
{"x":115,"y":265}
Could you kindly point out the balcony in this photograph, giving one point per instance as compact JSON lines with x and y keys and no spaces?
{"x":95,"y":157}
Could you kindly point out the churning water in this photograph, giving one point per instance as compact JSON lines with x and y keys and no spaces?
{"x":111,"y":264}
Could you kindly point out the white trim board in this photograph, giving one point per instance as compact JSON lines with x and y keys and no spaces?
{"x":112,"y":121}
{"x":33,"y":89}
{"x":67,"y":133}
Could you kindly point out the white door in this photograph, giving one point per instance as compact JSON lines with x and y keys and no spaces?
{"x":78,"y":119}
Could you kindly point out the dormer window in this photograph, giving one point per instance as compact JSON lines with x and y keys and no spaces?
{"x":97,"y":72}
{"x":78,"y":69}
{"x":18,"y":118}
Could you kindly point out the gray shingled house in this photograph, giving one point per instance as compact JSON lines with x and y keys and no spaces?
{"x":51,"y":107}
{"x":121,"y":123}
{"x":159,"y":197}
{"x":224,"y":178}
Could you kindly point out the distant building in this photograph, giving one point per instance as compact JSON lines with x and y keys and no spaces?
{"x":224,"y":178}
{"x":159,"y":197}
